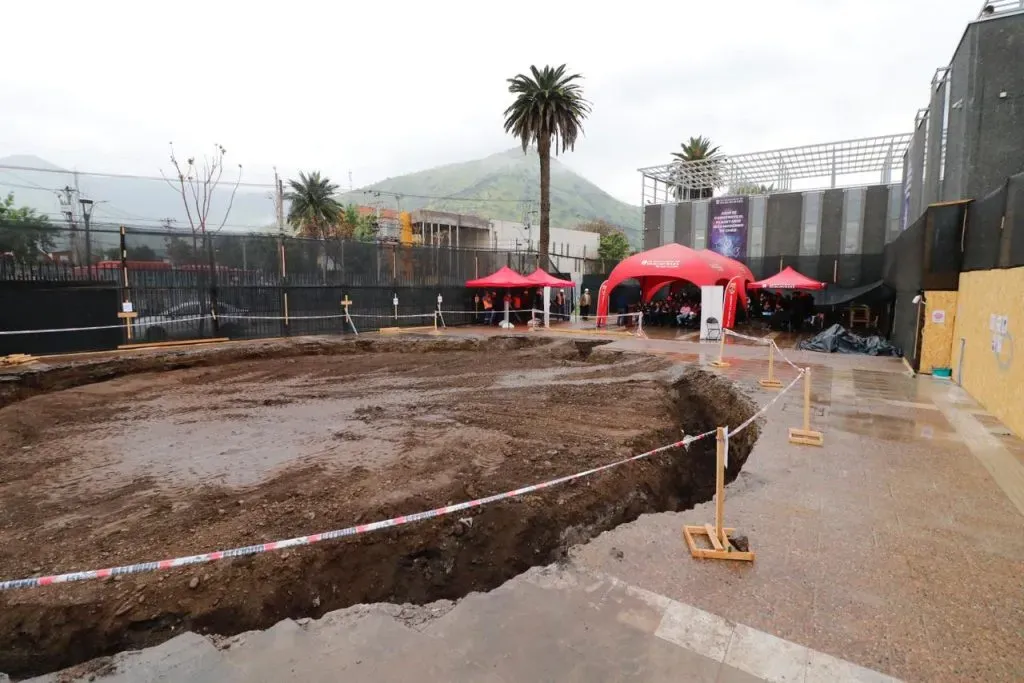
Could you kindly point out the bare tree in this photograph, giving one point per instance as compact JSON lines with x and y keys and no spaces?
{"x":197,"y":182}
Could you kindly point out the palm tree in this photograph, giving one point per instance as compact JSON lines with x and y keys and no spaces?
{"x":697,"y":149}
{"x":314,"y":209}
{"x":549,"y":104}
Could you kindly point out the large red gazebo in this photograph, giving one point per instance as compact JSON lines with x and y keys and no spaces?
{"x":658,"y":267}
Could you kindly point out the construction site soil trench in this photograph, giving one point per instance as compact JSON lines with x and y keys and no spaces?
{"x":118,"y":459}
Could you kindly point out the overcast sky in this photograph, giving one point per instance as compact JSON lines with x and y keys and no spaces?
{"x":386,"y":88}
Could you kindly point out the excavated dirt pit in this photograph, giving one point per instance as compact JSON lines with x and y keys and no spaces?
{"x":128,"y":459}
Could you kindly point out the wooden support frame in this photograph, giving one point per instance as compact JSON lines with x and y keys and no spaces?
{"x":717,"y":535}
{"x":400,"y":330}
{"x":721,"y":362}
{"x":770,"y":382}
{"x":17,"y":359}
{"x":172,"y":344}
{"x":806,"y":436}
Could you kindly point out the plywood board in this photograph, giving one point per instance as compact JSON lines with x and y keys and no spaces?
{"x":938,"y":330}
{"x":990,"y":321}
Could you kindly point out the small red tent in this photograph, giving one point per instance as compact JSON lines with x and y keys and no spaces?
{"x":787,"y":279}
{"x":503,"y":278}
{"x":540,"y":278}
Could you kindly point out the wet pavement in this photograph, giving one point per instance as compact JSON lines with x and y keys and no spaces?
{"x":896,"y":549}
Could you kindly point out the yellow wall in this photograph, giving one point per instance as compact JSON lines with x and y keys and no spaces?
{"x":995,"y":379}
{"x":937,"y":338}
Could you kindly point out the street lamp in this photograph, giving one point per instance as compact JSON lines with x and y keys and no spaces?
{"x":87,"y":205}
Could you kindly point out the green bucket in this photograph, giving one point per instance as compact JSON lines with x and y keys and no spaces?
{"x":944,"y":373}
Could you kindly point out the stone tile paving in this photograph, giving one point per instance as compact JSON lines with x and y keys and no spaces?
{"x":892,"y":546}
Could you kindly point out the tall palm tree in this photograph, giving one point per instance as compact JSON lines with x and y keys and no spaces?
{"x":314,"y":210}
{"x":697,"y":149}
{"x":549,"y":105}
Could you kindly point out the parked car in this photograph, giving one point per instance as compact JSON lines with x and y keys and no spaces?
{"x":191,"y":320}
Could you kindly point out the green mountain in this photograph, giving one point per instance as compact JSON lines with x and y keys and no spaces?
{"x":500,"y":187}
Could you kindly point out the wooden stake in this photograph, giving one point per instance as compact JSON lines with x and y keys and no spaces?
{"x":806,"y":436}
{"x":720,"y":447}
{"x":721,"y":362}
{"x":346,"y":302}
{"x":770,"y":382}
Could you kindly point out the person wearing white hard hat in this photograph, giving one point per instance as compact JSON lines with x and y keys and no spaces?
{"x":585,"y":304}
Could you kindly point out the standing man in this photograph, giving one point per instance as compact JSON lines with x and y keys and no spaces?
{"x":585,"y":304}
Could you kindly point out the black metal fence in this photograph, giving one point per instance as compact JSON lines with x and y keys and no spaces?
{"x":260,"y":285}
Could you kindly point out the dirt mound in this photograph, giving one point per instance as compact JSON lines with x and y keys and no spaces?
{"x":113,"y":461}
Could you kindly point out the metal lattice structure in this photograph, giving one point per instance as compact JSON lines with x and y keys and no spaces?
{"x":993,"y":7}
{"x":775,"y":170}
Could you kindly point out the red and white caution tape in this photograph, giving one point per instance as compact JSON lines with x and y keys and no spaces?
{"x":783,"y":356}
{"x":764,"y":409}
{"x":756,"y":340}
{"x":119,"y":326}
{"x":145,"y":567}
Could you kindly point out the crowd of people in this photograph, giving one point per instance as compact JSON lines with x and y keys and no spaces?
{"x":785,"y":311}
{"x":677,"y":309}
{"x":521,"y":304}
{"x":789,"y":311}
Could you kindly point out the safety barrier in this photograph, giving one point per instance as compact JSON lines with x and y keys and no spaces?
{"x":802,"y":435}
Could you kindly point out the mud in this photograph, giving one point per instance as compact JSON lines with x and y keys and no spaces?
{"x":112,"y":460}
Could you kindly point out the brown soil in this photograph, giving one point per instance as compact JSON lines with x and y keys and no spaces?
{"x":114,"y":460}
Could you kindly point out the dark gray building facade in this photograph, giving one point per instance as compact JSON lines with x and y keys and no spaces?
{"x":834,"y":235}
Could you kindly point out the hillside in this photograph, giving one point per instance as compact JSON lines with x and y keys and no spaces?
{"x":494,"y":187}
{"x":134,"y":201}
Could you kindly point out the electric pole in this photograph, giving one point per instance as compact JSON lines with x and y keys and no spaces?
{"x":279,"y":202}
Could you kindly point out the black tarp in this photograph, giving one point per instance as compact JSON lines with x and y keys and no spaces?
{"x":837,"y":339}
{"x":876,"y":292}
{"x":984,"y":233}
{"x":1013,"y":227}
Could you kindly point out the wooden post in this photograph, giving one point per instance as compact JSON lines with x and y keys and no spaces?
{"x":770,"y":382}
{"x":806,"y":436}
{"x":721,"y":362}
{"x":346,"y":302}
{"x":807,"y":399}
{"x":720,"y":446}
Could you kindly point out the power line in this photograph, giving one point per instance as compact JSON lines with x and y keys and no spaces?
{"x":122,"y":176}
{"x":365,"y":191}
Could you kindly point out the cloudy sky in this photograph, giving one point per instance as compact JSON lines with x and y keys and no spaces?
{"x":380,"y":89}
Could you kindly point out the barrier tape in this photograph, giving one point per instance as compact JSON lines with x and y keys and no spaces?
{"x":764,"y":409}
{"x":119,"y":326}
{"x":783,"y":356}
{"x":161,"y":320}
{"x":759,"y":340}
{"x":145,"y":567}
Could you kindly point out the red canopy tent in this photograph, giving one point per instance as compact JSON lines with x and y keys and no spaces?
{"x":787,"y":278}
{"x":668,"y":263}
{"x":541,"y":278}
{"x":503,"y":278}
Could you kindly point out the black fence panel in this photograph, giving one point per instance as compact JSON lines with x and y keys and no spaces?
{"x":904,"y":259}
{"x":39,"y":305}
{"x":906,"y":326}
{"x":1013,"y":225}
{"x":943,"y":246}
{"x":984,"y":233}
